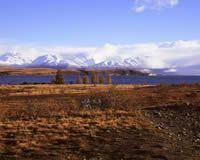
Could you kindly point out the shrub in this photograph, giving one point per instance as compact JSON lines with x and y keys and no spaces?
{"x":95,"y":100}
{"x":100,"y":100}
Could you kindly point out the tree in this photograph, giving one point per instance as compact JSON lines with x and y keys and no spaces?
{"x":85,"y":80}
{"x":79,"y":80}
{"x":94,"y":77}
{"x":109,"y":79}
{"x":101,"y":79}
{"x":59,"y":78}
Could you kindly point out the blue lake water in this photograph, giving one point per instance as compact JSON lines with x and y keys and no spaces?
{"x":10,"y":79}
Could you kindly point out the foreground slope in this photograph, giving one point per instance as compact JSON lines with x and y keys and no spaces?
{"x":100,"y":122}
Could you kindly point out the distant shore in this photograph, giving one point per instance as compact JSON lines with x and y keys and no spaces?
{"x":69,"y":71}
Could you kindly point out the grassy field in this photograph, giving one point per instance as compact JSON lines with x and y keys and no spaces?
{"x":75,"y":122}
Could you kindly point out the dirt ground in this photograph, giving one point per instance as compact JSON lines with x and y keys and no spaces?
{"x":112,"y":122}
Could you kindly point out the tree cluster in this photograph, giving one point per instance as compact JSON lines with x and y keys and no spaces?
{"x":90,"y":78}
{"x":94,"y":78}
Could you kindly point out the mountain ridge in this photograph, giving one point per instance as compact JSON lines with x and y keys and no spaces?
{"x":82,"y":61}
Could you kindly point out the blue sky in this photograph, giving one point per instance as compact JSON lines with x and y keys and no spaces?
{"x":80,"y":23}
{"x":165,"y":31}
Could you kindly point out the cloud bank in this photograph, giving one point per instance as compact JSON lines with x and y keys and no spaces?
{"x":157,"y":55}
{"x":142,"y":5}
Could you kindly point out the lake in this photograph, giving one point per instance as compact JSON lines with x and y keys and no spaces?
{"x":11,"y":79}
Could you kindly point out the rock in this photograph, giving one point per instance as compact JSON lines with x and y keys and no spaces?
{"x":198,"y":135}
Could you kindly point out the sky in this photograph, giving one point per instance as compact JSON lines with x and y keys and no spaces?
{"x":96,"y":22}
{"x":101,"y":28}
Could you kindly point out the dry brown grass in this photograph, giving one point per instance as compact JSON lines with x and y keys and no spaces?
{"x":28,"y":90}
{"x":52,"y":122}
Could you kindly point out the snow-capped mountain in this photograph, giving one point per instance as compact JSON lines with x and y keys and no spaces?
{"x":14,"y":59}
{"x":111,"y":62}
{"x":80,"y":60}
{"x":46,"y":60}
{"x":62,"y":61}
{"x":120,"y":62}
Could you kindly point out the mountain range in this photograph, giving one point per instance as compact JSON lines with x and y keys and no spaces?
{"x":80,"y":60}
{"x":50,"y":60}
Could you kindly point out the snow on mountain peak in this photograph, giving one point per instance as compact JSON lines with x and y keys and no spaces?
{"x":63,"y":60}
{"x":46,"y":60}
{"x":78,"y":60}
{"x":120,"y":62}
{"x":143,"y":63}
{"x":13,"y":59}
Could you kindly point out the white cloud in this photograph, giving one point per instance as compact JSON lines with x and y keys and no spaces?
{"x":157,"y":55}
{"x":142,"y":5}
{"x":140,"y":9}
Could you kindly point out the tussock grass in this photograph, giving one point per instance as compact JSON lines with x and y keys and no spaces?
{"x":45,"y":121}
